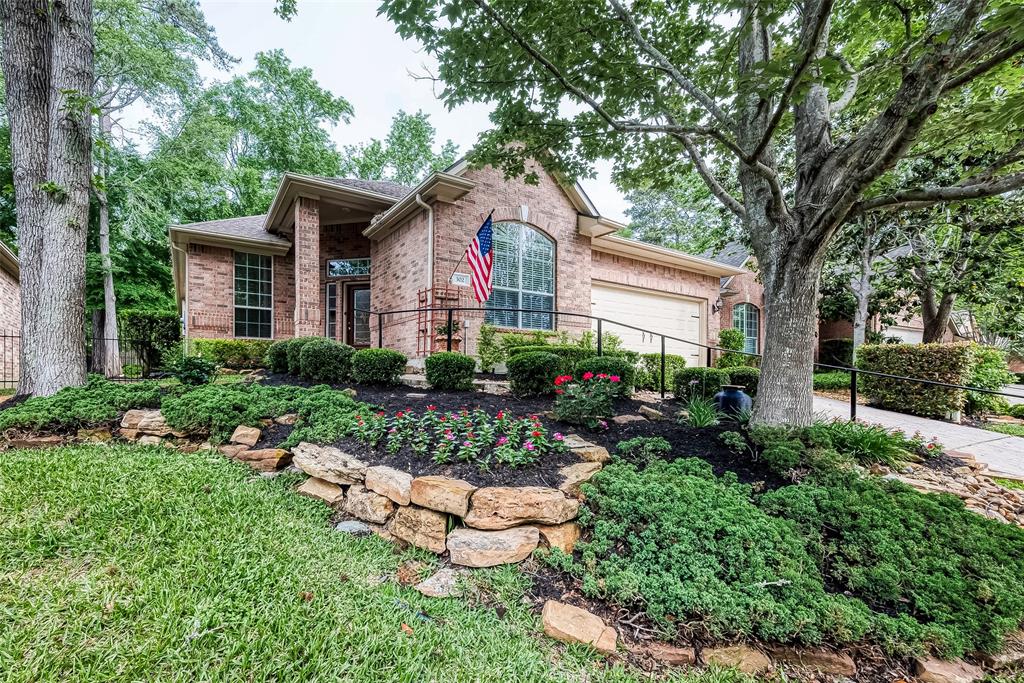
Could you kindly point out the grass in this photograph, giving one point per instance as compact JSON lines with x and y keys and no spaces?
{"x":135,"y":563}
{"x":1009,"y":483}
{"x":1011,"y":429}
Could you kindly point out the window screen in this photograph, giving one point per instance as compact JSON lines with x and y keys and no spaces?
{"x":253,"y":295}
{"x":524,"y":277}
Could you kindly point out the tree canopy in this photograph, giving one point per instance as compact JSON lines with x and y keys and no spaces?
{"x":406,"y":156}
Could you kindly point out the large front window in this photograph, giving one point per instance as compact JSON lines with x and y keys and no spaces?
{"x":747,"y":319}
{"x":524,"y":277}
{"x":253,"y":295}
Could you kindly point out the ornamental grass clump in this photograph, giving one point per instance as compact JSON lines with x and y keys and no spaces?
{"x":466,"y":436}
{"x":586,"y":401}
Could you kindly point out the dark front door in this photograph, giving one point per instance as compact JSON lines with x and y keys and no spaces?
{"x":357,"y":316}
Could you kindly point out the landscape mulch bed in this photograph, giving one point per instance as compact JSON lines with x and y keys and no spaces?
{"x":685,"y":441}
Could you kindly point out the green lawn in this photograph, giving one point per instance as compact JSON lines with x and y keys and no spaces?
{"x":1011,"y":429}
{"x":134,"y":563}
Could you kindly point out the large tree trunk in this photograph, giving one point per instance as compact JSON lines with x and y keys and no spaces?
{"x":110,"y":360}
{"x":936,"y":310}
{"x":47,"y":61}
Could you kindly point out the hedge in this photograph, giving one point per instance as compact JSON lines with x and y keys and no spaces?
{"x":450,"y":370}
{"x":378,"y":366}
{"x":699,"y":382}
{"x":648,"y":372}
{"x":534,"y":373}
{"x":836,"y":380}
{"x":293,"y":349}
{"x":277,"y":356}
{"x":949,"y":363}
{"x":989,"y":371}
{"x":232,"y":353}
{"x":325,"y":360}
{"x":745,"y":377}
{"x":569,"y":355}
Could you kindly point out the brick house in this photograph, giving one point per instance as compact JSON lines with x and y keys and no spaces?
{"x":740,"y":302}
{"x":329,"y":249}
{"x":10,"y":316}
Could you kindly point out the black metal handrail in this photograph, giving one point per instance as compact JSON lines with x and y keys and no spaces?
{"x":854,"y":372}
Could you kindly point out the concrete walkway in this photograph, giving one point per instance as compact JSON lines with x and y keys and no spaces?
{"x":1002,"y":453}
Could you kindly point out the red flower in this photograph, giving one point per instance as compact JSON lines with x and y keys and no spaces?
{"x":588,"y":375}
{"x":559,"y":391}
{"x":431,"y":408}
{"x":602,"y":376}
{"x":562,"y":379}
{"x":399,"y":414}
{"x":535,"y":433}
{"x":501,"y":414}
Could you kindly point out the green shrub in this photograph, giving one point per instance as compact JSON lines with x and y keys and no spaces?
{"x":610,"y":365}
{"x":510,"y":341}
{"x":194,"y":370}
{"x":585,"y":400}
{"x":868,"y":444}
{"x":698,"y":382}
{"x":745,"y":377}
{"x":648,"y":374}
{"x":836,"y":352}
{"x":277,"y":356}
{"x":534,"y":373}
{"x":1017,"y":411}
{"x":232,"y":353}
{"x":949,"y":577}
{"x":450,"y":371}
{"x":643,"y":449}
{"x":153,"y":334}
{"x":488,"y":349}
{"x":294,"y":353}
{"x":988,"y":371}
{"x":325,"y":360}
{"x":568,"y":356}
{"x":132,"y":371}
{"x":683,"y":546}
{"x":702,"y":412}
{"x":378,"y":366}
{"x":732,"y":340}
{"x":99,"y":402}
{"x":950,"y":363}
{"x":836,"y":380}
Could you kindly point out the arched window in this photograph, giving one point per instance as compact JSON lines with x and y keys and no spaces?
{"x":524,"y":277}
{"x":747,"y":319}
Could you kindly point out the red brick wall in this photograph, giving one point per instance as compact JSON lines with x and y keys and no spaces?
{"x":308,"y":322}
{"x":10,"y":303}
{"x":748,"y":291}
{"x":340,"y":242}
{"x":209,"y":291}
{"x":284,"y":295}
{"x":398,"y":272}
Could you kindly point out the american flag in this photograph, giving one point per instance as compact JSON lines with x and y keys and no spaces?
{"x":481,"y":260}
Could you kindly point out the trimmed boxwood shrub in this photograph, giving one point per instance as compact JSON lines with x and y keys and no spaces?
{"x":648,"y":374}
{"x":746,"y":377}
{"x":325,"y":360}
{"x":277,"y":356}
{"x":610,"y":365}
{"x":699,"y":382}
{"x":534,"y":373}
{"x":232,"y":353}
{"x":378,"y":366}
{"x":294,"y":351}
{"x":1017,"y":411}
{"x":949,"y":363}
{"x":836,"y":352}
{"x":569,"y":355}
{"x":450,"y":370}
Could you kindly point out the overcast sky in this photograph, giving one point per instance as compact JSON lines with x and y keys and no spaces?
{"x":356,"y":54}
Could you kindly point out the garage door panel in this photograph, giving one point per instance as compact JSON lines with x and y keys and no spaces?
{"x":659,"y":313}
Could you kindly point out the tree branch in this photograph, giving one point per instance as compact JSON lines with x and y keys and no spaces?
{"x":685,"y":83}
{"x":849,"y":91}
{"x":979,"y":69}
{"x":924,"y":197}
{"x":810,"y":51}
{"x":710,"y":180}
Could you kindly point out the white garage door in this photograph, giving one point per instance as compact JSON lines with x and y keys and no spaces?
{"x":907,"y":334}
{"x":660,"y":313}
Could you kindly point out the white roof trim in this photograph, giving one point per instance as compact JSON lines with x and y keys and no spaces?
{"x":642,"y":251}
{"x":9,"y":262}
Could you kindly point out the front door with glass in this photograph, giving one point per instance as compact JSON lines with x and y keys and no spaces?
{"x":357,"y":316}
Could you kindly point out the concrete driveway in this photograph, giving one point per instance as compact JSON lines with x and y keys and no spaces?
{"x":1002,"y":453}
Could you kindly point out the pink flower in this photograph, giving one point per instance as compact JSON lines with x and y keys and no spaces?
{"x":559,"y":437}
{"x":615,"y":378}
{"x":588,"y":375}
{"x":559,"y":391}
{"x":467,"y":443}
{"x":529,"y":446}
{"x":502,"y":441}
{"x":535,"y":433}
{"x":602,"y":376}
{"x":604,"y":425}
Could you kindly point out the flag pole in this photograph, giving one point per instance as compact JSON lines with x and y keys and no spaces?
{"x":452,"y":274}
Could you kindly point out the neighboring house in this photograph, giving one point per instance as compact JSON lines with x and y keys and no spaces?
{"x":330,"y":249}
{"x":740,"y":302}
{"x":10,"y":317}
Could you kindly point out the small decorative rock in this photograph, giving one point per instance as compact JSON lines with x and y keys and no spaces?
{"x":651,"y":413}
{"x":586,"y":450}
{"x":329,"y":493}
{"x":368,"y":506}
{"x":574,"y":625}
{"x":574,"y":475}
{"x":561,"y":536}
{"x":746,"y":659}
{"x":825,"y":661}
{"x":353,"y":527}
{"x":389,"y":482}
{"x":666,"y":654}
{"x":247,"y":436}
{"x":442,"y":494}
{"x":232,"y":450}
{"x":351,"y":393}
{"x":150,"y":440}
{"x":502,"y":507}
{"x":420,"y":527}
{"x":97,"y":435}
{"x":265,"y":459}
{"x":472,"y":548}
{"x":441,"y":585}
{"x":628,"y":418}
{"x":36,"y":442}
{"x":146,"y":422}
{"x":288,"y":419}
{"x":329,"y":463}
{"x":933,"y":670}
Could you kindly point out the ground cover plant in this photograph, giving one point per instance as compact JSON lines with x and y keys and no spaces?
{"x":98,"y":402}
{"x":1009,"y":429}
{"x":836,"y":380}
{"x":135,"y":563}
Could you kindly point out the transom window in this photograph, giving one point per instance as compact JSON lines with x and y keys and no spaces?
{"x":524,"y":277}
{"x":253,"y":295}
{"x":348,"y":266}
{"x":747,"y":319}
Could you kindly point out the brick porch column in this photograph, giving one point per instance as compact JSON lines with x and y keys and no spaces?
{"x":307,"y":268}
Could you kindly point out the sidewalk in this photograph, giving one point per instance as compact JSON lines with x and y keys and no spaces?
{"x":1002,"y":453}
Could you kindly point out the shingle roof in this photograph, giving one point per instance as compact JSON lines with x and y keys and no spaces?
{"x":732,"y":254}
{"x":248,"y":227}
{"x":385,"y":187}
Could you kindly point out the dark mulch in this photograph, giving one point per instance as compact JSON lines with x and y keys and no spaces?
{"x":943,"y":463}
{"x":686,"y":441}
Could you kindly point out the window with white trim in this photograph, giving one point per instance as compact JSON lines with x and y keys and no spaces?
{"x":254,"y":305}
{"x":524,"y":277}
{"x":747,"y":319}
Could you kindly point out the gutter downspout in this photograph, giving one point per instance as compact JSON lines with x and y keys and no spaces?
{"x":184,"y":297}
{"x":430,"y":245}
